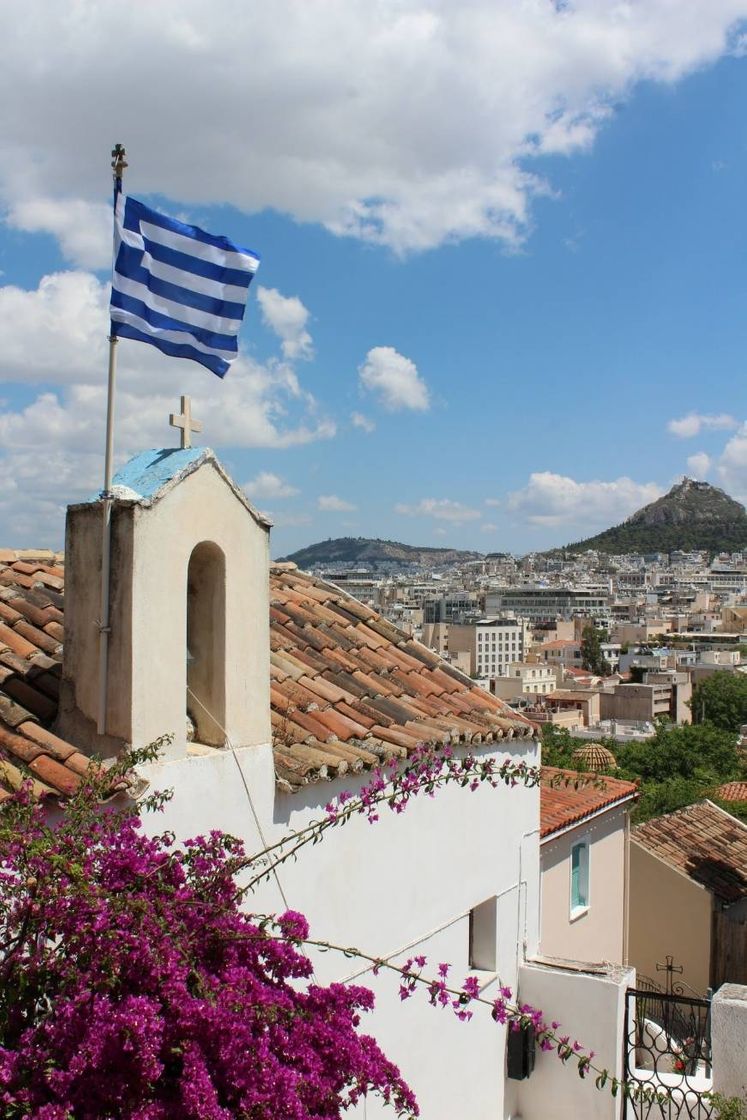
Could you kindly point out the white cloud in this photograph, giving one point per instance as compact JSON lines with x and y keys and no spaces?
{"x":269,"y":485}
{"x":394,"y":379}
{"x":695,"y":422}
{"x":83,"y":229}
{"x":732,"y":465}
{"x":488,"y":527}
{"x":554,"y":499}
{"x":54,"y":337}
{"x":407,"y":124}
{"x":358,"y":420}
{"x":55,"y":333}
{"x":699,"y":464}
{"x":287,"y":317}
{"x":330,"y":503}
{"x":442,"y":509}
{"x":439,"y":531}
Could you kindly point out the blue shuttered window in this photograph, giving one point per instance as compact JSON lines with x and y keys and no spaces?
{"x":579,"y":877}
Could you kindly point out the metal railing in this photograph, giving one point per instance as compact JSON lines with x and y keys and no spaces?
{"x":667,"y":1057}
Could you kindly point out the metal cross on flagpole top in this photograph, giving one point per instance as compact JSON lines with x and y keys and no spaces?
{"x":184,"y":421}
{"x":118,"y":164}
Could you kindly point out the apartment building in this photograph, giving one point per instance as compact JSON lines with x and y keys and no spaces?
{"x":490,"y":645}
{"x":547,"y":603}
{"x":525,"y":678}
{"x":661,"y":694}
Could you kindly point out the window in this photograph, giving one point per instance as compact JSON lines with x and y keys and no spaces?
{"x":206,"y":642}
{"x":579,"y":878}
{"x":483,"y":936}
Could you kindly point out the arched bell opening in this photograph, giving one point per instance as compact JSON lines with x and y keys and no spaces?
{"x":206,"y":645}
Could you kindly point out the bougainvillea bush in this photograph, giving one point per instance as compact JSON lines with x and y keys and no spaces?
{"x":133,"y":986}
{"x":136,"y":983}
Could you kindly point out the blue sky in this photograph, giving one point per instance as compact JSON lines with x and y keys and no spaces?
{"x":493,"y":335}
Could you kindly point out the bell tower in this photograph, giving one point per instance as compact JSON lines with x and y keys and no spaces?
{"x":189,"y":610}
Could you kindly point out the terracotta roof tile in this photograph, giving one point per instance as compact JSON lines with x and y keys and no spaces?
{"x":53,"y":745}
{"x":568,"y":797}
{"x":16,"y":642}
{"x":348,"y":682}
{"x":31,"y":698}
{"x":55,"y":774}
{"x":326,"y":690}
{"x":732,"y":791}
{"x":341,"y":725}
{"x":348,"y":687}
{"x":704,"y":842}
{"x":30,"y":652}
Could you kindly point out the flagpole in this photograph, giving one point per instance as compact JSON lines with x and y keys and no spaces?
{"x":119,"y":163}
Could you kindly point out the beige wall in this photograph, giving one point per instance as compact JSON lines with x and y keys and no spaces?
{"x":669,"y":914}
{"x":599,"y":933}
{"x":636,"y":702}
{"x":531,"y":679}
{"x":436,"y":636}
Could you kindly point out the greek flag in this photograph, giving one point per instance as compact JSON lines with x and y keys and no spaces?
{"x":177,"y":287}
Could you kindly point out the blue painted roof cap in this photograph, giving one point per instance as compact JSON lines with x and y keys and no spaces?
{"x":150,"y":471}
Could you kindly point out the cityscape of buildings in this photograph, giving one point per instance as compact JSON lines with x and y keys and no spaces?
{"x":516,"y":626}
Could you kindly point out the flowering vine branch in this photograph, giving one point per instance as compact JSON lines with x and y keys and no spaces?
{"x":444,"y":994}
{"x":393,"y":786}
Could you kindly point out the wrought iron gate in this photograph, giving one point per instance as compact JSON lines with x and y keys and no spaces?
{"x":667,"y":1058}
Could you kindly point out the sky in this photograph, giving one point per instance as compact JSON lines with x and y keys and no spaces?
{"x":502,"y":301}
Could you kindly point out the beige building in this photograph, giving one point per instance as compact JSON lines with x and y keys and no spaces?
{"x":524,"y":678}
{"x":734,"y":619}
{"x":436,"y":636}
{"x":633,"y":633}
{"x":688,"y":896}
{"x":584,"y":866}
{"x":662,"y":694}
{"x":585,"y":701}
{"x":563,"y":653}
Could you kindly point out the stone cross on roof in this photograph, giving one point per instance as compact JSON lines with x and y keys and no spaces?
{"x":185,"y":422}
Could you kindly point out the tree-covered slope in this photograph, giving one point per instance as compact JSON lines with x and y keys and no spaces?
{"x":693,"y":515}
{"x":366,"y":550}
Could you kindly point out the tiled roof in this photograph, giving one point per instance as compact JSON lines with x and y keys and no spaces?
{"x":594,"y":756}
{"x":347,"y":687}
{"x":31,"y":633}
{"x":703,"y":841}
{"x":571,"y":694}
{"x":568,"y":797}
{"x":582,"y":676}
{"x":732,"y":791}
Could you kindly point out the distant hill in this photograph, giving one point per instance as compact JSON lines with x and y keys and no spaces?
{"x":693,"y":515}
{"x":375,"y":552}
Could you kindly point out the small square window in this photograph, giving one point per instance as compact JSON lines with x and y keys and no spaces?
{"x":579,"y":878}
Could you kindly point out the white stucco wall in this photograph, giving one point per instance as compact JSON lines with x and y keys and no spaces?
{"x":599,"y":933}
{"x":406,"y":883}
{"x":729,"y":1040}
{"x":590,"y":1006}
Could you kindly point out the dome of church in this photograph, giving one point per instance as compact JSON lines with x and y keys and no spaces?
{"x":593,"y":756}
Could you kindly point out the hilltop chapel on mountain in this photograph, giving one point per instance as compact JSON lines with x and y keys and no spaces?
{"x":280,"y":691}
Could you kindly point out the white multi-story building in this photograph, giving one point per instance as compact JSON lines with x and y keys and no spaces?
{"x":543,"y":604}
{"x":492,"y":644}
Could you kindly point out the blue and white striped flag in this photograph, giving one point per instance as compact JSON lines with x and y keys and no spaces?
{"x":177,"y":287}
